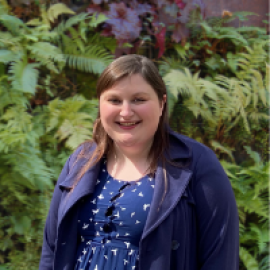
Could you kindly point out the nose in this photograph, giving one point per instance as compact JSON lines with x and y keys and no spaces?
{"x":126,"y":109}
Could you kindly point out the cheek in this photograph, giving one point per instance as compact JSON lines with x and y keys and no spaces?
{"x":152,"y":114}
{"x":106,"y":112}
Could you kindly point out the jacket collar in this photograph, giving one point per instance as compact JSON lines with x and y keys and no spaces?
{"x":177,"y":180}
{"x":178,"y":149}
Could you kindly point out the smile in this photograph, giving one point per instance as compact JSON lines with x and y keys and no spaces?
{"x":128,"y":124}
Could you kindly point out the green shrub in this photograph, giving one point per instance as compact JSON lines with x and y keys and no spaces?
{"x":219,"y":94}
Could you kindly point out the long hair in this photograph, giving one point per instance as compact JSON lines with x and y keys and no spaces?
{"x":119,"y":69}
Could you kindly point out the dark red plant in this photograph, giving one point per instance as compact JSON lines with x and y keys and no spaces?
{"x":130,"y":19}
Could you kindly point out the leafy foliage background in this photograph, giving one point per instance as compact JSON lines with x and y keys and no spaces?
{"x":218,"y":91}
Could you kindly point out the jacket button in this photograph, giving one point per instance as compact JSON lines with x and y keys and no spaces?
{"x":175,"y":245}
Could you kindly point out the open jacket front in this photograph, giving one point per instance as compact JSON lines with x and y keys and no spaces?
{"x":195,"y":227}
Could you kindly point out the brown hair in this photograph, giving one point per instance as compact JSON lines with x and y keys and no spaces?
{"x":121,"y":68}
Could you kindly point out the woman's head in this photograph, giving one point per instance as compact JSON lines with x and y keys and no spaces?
{"x":122,"y":75}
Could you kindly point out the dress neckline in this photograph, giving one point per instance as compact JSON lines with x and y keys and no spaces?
{"x":132,"y":182}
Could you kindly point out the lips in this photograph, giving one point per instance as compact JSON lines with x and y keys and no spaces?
{"x":128,"y":124}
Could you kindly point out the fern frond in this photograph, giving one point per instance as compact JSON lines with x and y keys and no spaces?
{"x":64,"y":26}
{"x":57,"y":9}
{"x":6,"y":56}
{"x":257,"y":116}
{"x":47,"y":54}
{"x":76,"y":40}
{"x":97,"y":19}
{"x":73,"y":119}
{"x":94,"y":60}
{"x":248,"y":260}
{"x":262,"y":237}
{"x":239,"y":98}
{"x":106,"y":42}
{"x":241,"y":15}
{"x":24,"y":76}
{"x":76,"y":132}
{"x":251,"y":60}
{"x":10,"y":96}
{"x":7,"y":40}
{"x":4,"y":7}
{"x":267,"y":78}
{"x":44,"y":16}
{"x":13,"y":24}
{"x":17,"y":120}
{"x":217,"y":146}
{"x":264,"y":264}
{"x":253,"y":154}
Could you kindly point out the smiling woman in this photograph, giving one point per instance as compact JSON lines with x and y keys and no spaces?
{"x":139,"y":196}
{"x":129,"y":113}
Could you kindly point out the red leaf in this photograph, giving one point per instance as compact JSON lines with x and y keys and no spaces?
{"x":160,"y":43}
{"x":180,"y":4}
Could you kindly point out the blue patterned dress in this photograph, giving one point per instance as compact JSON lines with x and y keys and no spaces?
{"x":111,"y":223}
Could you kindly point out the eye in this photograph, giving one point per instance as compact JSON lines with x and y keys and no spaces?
{"x":115,"y":101}
{"x":138,"y":100}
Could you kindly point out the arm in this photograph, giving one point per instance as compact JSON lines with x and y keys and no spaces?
{"x":50,"y":231}
{"x":218,"y":223}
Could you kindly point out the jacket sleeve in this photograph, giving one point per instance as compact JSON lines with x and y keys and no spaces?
{"x":50,"y":231}
{"x":217,"y":215}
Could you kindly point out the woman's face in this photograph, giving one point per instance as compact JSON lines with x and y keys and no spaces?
{"x":130,"y":113}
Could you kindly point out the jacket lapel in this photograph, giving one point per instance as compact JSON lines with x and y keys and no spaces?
{"x":177,"y":181}
{"x":85,"y":186}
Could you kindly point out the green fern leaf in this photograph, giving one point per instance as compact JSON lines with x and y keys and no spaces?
{"x":97,"y":19}
{"x":57,"y":9}
{"x":253,"y":154}
{"x":265,"y":263}
{"x":64,"y":26}
{"x":262,"y":237}
{"x":13,"y":24}
{"x":95,"y":60}
{"x":4,"y":7}
{"x":217,"y":146}
{"x":267,"y":77}
{"x":47,"y":54}
{"x":248,"y":260}
{"x":76,"y":132}
{"x":34,"y":22}
{"x":29,"y":78}
{"x":24,"y":76}
{"x":76,"y":39}
{"x":6,"y":56}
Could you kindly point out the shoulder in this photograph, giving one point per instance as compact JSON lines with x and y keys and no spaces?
{"x":203,"y":160}
{"x":76,"y":161}
{"x":83,"y":152}
{"x":181,"y":145}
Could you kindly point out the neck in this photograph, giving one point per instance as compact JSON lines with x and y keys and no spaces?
{"x":131,"y":155}
{"x":128,"y":165}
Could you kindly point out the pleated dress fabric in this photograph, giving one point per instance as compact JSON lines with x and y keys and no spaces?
{"x":111,"y":223}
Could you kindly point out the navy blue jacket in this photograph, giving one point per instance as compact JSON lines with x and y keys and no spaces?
{"x":196,"y":227}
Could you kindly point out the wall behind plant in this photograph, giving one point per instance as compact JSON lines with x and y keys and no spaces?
{"x":260,"y":7}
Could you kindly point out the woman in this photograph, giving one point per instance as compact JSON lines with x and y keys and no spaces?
{"x":140,"y":196}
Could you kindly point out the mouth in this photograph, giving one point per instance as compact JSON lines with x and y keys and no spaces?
{"x":128,"y":124}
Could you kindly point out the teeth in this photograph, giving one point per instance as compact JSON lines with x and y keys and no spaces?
{"x":128,"y":124}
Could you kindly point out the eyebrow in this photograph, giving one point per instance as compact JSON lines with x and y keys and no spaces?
{"x":116,"y":94}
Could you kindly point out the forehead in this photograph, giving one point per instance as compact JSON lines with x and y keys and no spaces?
{"x":132,"y":84}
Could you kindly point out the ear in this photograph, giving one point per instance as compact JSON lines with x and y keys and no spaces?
{"x":163,"y":101}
